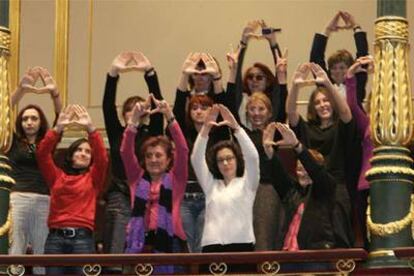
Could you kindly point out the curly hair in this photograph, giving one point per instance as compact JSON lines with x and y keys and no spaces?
{"x":212,"y":158}
{"x":154,"y":141}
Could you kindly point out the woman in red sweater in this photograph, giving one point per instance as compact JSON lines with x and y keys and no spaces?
{"x":73,"y":188}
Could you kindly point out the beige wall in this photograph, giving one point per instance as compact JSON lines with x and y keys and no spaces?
{"x":166,"y":31}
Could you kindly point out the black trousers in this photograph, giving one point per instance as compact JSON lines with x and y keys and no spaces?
{"x":233,"y":247}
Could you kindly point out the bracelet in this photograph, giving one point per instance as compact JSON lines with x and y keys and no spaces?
{"x":356,"y":28}
{"x":217,"y":79}
{"x":55,"y":96}
{"x":242,"y":43}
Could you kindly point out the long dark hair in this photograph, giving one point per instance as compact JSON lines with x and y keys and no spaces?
{"x":68,"y":162}
{"x":44,"y":125}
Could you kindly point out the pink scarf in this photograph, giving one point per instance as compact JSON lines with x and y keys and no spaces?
{"x":291,"y":239}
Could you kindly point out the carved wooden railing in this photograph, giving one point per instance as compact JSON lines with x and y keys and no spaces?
{"x":343,"y":261}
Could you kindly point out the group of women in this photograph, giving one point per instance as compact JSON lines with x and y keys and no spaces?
{"x":223,"y":170}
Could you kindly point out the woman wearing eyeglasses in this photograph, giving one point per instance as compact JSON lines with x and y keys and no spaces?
{"x":229,"y":177}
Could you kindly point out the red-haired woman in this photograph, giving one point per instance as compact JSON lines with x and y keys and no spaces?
{"x":157,"y":180}
{"x":29,"y":198}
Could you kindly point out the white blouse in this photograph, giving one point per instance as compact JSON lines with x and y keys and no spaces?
{"x":229,"y":208}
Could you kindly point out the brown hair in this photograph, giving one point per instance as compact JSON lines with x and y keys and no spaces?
{"x":340,"y":56}
{"x":154,"y":141}
{"x":312,"y":115}
{"x":270,"y":79}
{"x":212,"y":158}
{"x":129,"y":104}
{"x":44,"y":125}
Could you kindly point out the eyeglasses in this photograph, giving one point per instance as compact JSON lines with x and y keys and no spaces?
{"x":257,"y":77}
{"x":226,"y":158}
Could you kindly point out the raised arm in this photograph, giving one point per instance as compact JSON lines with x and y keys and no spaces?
{"x":361,"y":118}
{"x":198,"y":155}
{"x":100,"y":161}
{"x":320,"y":41}
{"x":340,"y":104}
{"x":113,"y":125}
{"x":44,"y":152}
{"x":132,"y":168}
{"x":250,"y":154}
{"x":298,"y":80}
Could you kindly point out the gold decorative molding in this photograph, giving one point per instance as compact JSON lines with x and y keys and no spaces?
{"x":92,"y":270}
{"x":62,"y":47}
{"x":381,"y":253}
{"x":345,"y":266}
{"x":144,"y":269}
{"x":90,"y":41}
{"x":6,"y":126}
{"x":389,"y":170}
{"x":390,"y":228}
{"x":270,"y":268}
{"x":391,"y":104}
{"x":14,"y":61}
{"x":218,"y":268}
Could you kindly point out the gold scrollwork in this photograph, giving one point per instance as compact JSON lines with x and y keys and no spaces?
{"x":92,"y":269}
{"x":4,"y":229}
{"x":15,"y":270}
{"x":218,"y":269}
{"x":386,"y":229}
{"x":270,"y":268}
{"x":391,"y":106}
{"x":345,"y":266}
{"x":144,"y":269}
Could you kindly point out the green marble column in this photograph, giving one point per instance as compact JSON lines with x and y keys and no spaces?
{"x":391,"y":178}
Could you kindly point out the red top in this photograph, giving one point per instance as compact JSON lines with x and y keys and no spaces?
{"x":72,"y":197}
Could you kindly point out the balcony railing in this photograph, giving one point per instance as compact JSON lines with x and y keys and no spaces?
{"x":339,"y":261}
